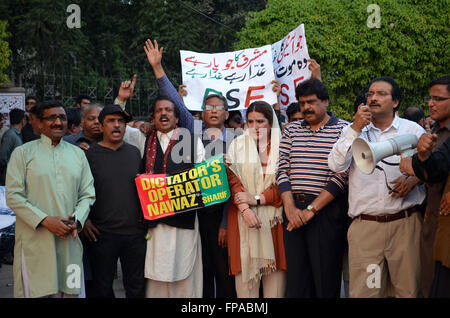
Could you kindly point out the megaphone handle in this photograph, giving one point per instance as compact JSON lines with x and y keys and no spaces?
{"x":385,"y":178}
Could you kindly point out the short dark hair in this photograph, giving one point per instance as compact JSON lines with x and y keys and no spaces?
{"x":396,"y":94}
{"x":47,"y":105}
{"x":223,"y":99}
{"x":443,"y":80}
{"x":263,"y":108}
{"x":16,"y":115}
{"x":292,"y":109}
{"x":160,"y":98}
{"x":311,"y":87}
{"x":31,"y":97}
{"x":73,"y":117}
{"x":80,"y":98}
{"x":231,"y":114}
{"x":414,"y":114}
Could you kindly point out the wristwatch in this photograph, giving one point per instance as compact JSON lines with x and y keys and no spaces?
{"x":311,"y":208}
{"x":258,"y":199}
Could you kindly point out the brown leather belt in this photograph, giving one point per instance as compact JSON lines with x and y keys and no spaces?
{"x":304,"y":197}
{"x":387,"y":217}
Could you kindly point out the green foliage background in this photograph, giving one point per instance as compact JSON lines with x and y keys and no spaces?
{"x":411,"y":46}
{"x":5,"y":52}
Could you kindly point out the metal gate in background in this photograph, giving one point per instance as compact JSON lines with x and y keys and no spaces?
{"x":103,"y":90}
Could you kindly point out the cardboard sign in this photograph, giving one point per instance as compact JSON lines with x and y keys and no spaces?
{"x":163,"y":195}
{"x":242,"y":77}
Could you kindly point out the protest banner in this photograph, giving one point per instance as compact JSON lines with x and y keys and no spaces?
{"x":163,"y":195}
{"x":290,"y":63}
{"x":242,"y":77}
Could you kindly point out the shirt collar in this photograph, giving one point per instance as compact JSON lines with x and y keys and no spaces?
{"x":169,"y":134}
{"x":437,"y":127}
{"x":223,"y":135}
{"x":332,"y":121}
{"x":47,"y":141}
{"x":395,"y":124}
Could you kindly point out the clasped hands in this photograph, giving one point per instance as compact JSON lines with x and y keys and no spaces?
{"x":297,"y":217}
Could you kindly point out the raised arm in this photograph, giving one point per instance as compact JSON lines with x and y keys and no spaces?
{"x":154,"y":57}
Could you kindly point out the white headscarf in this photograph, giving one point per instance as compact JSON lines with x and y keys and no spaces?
{"x":256,"y":245}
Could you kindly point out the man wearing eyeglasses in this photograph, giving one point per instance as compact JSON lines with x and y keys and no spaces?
{"x":385,"y":233}
{"x":49,"y":186}
{"x":439,"y":104}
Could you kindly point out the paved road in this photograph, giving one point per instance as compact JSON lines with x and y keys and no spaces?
{"x":6,"y":283}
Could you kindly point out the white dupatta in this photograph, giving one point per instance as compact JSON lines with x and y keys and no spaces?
{"x":256,"y":245}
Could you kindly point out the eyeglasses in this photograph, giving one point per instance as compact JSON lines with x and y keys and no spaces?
{"x":381,"y":94}
{"x":53,"y":118}
{"x":435,"y":99}
{"x":216,"y":107}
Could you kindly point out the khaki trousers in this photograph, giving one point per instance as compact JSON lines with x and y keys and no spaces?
{"x":274,"y":286}
{"x":383,"y":253}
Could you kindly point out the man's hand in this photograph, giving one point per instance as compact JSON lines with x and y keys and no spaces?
{"x":244,"y":197}
{"x":307,"y":216}
{"x":222,"y":237}
{"x":426,"y":143}
{"x":56,"y":226}
{"x":406,"y":166}
{"x":154,"y":54}
{"x":126,"y":89}
{"x":444,"y":209}
{"x":276,"y":88}
{"x":314,"y":67}
{"x":251,"y":219}
{"x":403,"y":185}
{"x":84,"y":146}
{"x":147,"y":128}
{"x":295,"y":217}
{"x":182,"y":90}
{"x":89,"y":231}
{"x":362,"y":118}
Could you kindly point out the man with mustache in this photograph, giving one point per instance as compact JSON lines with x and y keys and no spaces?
{"x":173,"y":266}
{"x":312,"y":194}
{"x":385,"y":233}
{"x":438,"y":102}
{"x":216,"y":281}
{"x":50,"y":188}
{"x":91,"y":128}
{"x":115,"y":226}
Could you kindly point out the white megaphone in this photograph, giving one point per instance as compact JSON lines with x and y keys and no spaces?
{"x":367,"y":154}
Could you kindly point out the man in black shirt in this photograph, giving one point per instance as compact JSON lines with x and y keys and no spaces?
{"x":115,"y":228}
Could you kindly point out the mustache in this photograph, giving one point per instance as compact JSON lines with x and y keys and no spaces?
{"x":374,"y":104}
{"x":163,"y":117}
{"x":306,"y":112}
{"x":56,"y":127}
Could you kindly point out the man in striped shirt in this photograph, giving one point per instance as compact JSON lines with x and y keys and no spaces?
{"x":314,"y":204}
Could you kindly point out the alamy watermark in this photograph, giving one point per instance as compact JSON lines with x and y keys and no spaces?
{"x":74,"y":19}
{"x":374,"y":19}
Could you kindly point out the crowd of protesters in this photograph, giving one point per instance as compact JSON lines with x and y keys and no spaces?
{"x":301,"y":219}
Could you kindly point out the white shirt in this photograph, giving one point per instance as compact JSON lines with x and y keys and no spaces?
{"x":368,"y":194}
{"x":135,"y":137}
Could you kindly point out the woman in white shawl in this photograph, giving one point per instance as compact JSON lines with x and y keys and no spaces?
{"x":255,"y":233}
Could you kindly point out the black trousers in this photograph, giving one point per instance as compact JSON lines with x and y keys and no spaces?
{"x":216,"y":279}
{"x":314,"y":253}
{"x":440,"y":288}
{"x":103,"y":256}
